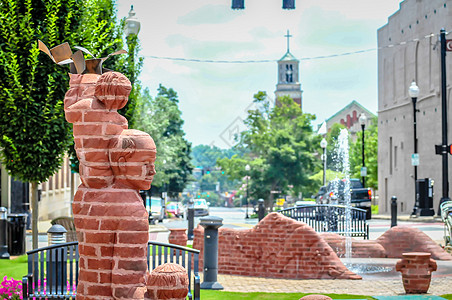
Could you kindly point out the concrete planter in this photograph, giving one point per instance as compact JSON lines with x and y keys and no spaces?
{"x":416,"y":269}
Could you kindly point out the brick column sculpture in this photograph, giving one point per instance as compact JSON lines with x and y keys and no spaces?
{"x":416,"y":269}
{"x":115,"y":163}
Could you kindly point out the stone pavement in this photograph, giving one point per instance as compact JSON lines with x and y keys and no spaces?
{"x":438,"y":286}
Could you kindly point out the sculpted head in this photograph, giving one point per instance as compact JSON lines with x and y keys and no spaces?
{"x":132,"y":157}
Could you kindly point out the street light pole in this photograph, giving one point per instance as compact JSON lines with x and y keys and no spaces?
{"x":362,"y":121}
{"x":247,"y":169}
{"x":323,"y":145}
{"x":445,"y":196}
{"x":131,"y":30}
{"x":413,"y":91}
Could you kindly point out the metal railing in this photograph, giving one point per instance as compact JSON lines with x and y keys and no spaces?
{"x":53,"y":270}
{"x":331,"y":218}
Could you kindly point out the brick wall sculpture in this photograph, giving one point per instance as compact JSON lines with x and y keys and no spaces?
{"x":277,"y":247}
{"x":360,"y":248}
{"x":115,"y":162}
{"x":400,"y":239}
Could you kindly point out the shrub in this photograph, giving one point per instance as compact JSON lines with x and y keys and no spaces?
{"x":11,"y":289}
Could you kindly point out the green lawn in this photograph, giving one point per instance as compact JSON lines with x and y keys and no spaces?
{"x":15,"y":268}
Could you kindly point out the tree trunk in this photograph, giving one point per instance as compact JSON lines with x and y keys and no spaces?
{"x":35,"y":214}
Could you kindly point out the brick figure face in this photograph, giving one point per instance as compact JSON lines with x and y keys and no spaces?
{"x":132,"y":160}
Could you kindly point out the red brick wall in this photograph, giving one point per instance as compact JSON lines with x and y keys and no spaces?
{"x":360,"y":248}
{"x":400,"y":239}
{"x":277,"y":247}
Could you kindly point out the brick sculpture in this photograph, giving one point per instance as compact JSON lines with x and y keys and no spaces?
{"x":416,"y":269}
{"x":278,"y":247}
{"x":401,"y":239}
{"x":115,"y":162}
{"x":168,"y":281}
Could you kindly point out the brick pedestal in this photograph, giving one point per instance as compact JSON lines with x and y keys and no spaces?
{"x":416,"y":269}
{"x":168,"y":281}
{"x":178,"y":236}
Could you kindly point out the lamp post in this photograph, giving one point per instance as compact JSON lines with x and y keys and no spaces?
{"x":131,"y":30}
{"x":362,"y":121}
{"x":323,"y":144}
{"x":413,"y":91}
{"x":247,"y":169}
{"x":444,"y":152}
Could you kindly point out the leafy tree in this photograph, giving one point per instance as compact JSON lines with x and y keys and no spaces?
{"x":282,"y":149}
{"x":205,"y":156}
{"x":161,"y":118}
{"x":33,"y":132}
{"x":370,"y":155}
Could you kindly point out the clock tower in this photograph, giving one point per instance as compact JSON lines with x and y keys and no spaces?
{"x":288,"y":84}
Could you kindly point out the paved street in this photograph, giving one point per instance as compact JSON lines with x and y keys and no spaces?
{"x":235,"y":218}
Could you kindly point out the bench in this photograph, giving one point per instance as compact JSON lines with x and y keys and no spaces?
{"x":53,"y":270}
{"x":331,"y":218}
{"x":68,"y":224}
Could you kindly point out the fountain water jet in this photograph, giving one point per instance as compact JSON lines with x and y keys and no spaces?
{"x":343,"y":162}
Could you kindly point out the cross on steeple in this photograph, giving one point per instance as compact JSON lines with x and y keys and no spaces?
{"x":288,"y":36}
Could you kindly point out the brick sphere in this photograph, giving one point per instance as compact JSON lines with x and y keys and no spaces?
{"x":113,"y":89}
{"x":168,"y":281}
{"x":315,"y":297}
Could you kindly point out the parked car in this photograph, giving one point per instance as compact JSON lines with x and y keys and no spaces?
{"x":321,"y":195}
{"x":360,"y":196}
{"x":201,"y":207}
{"x":175,"y":208}
{"x":156,"y":208}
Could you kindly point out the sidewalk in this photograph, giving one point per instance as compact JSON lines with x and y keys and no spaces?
{"x":408,"y":218}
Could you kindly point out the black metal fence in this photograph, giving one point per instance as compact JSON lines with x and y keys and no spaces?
{"x":331,"y":218}
{"x":53,"y":270}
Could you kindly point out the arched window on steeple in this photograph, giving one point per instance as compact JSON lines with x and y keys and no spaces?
{"x":289,"y":73}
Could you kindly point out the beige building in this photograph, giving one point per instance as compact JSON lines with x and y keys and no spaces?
{"x":349,"y":117}
{"x":409,"y":49}
{"x":56,"y":193}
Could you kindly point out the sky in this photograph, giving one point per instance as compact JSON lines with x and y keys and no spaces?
{"x":214,"y":97}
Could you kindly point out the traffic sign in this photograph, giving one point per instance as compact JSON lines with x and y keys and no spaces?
{"x":448,"y":45}
{"x":415,"y":159}
{"x":363,"y":171}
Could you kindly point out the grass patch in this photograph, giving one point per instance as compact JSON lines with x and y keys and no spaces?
{"x":14,"y":268}
{"x":447,"y":296}
{"x":221,"y":295}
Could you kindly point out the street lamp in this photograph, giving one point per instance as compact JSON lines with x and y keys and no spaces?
{"x":413,"y":91}
{"x":131,"y":30}
{"x":247,"y":169}
{"x":132,"y":25}
{"x":323,"y":144}
{"x":362,"y":121}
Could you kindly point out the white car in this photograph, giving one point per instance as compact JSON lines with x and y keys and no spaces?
{"x":156,"y":209}
{"x":201,"y":207}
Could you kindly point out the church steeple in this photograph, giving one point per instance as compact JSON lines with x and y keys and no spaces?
{"x":288,"y":74}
